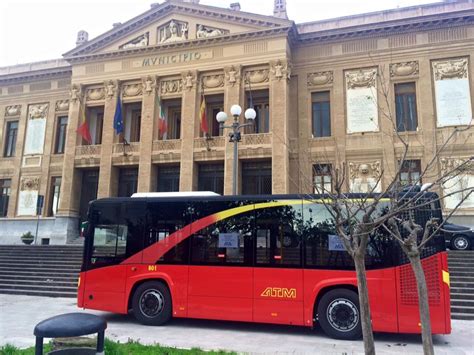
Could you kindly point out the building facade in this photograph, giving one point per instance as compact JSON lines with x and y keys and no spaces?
{"x":325,"y":92}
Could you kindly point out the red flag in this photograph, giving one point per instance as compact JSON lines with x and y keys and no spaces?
{"x":83,"y":129}
{"x":202,"y":117}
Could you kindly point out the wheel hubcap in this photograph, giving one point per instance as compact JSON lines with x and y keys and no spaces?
{"x":460,"y":243}
{"x":342,"y":315}
{"x":151,"y":303}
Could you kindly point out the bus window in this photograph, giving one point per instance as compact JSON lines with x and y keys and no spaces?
{"x":278,"y":241}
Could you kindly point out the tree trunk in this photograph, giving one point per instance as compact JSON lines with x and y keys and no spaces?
{"x":423,"y":304}
{"x":365,"y":318}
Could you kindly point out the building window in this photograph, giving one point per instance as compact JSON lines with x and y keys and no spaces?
{"x":132,"y":122}
{"x":96,"y":123}
{"x":174,"y":120}
{"x":61,"y":128}
{"x":168,"y":178}
{"x":211,"y":178}
{"x":89,"y":188}
{"x":260,"y":101}
{"x":10,"y":141}
{"x":322,"y":178}
{"x":54,"y":196}
{"x":410,"y":172}
{"x":214,"y":104}
{"x":257,"y":178}
{"x":128,"y":182}
{"x":321,"y":114}
{"x":4,"y":196}
{"x":405,"y":107}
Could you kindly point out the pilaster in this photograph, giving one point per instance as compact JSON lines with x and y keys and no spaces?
{"x":280,"y":99}
{"x":146,"y":174}
{"x":189,"y":121}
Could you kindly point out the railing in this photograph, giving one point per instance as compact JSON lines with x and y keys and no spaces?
{"x":257,"y":139}
{"x":88,"y":150}
{"x":121,"y":148}
{"x":211,"y":142}
{"x":167,"y":144}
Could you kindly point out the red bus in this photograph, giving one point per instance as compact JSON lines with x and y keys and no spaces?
{"x":268,"y":259}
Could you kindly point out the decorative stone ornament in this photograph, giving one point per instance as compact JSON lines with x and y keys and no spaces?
{"x":172,"y":86}
{"x":148,"y":84}
{"x":257,"y":76}
{"x":188,"y":80}
{"x":450,"y":69}
{"x":75,"y":93}
{"x":362,"y":78}
{"x":213,"y":81}
{"x":13,"y":110}
{"x":30,"y":183}
{"x":140,"y":41}
{"x":203,"y":31}
{"x":62,"y":105}
{"x":404,"y":69}
{"x":132,"y":90}
{"x":95,"y":94}
{"x":280,"y":70}
{"x":364,"y":176}
{"x":232,"y":75}
{"x":37,"y":111}
{"x":320,"y":78}
{"x":174,"y":31}
{"x":109,"y":87}
{"x":451,"y":164}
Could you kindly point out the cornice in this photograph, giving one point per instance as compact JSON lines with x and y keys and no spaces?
{"x":390,"y":28}
{"x":183,"y":45}
{"x":182,"y":8}
{"x":29,"y":76}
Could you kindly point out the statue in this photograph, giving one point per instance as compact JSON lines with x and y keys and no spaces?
{"x":173,"y":33}
{"x":188,"y":80}
{"x":109,"y":89}
{"x":148,"y":85}
{"x":75,"y":93}
{"x":204,"y":32}
{"x":141,"y":41}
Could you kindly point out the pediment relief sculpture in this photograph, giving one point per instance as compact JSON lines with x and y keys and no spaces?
{"x":213,"y":81}
{"x":109,"y":89}
{"x":94,"y":94}
{"x":203,"y":31}
{"x":172,"y":86}
{"x":140,"y":41}
{"x":364,"y":176}
{"x":232,"y":75}
{"x":131,"y":90}
{"x":404,"y":69}
{"x":280,"y":70}
{"x":456,"y":165}
{"x":75,"y":92}
{"x":257,"y":76}
{"x":37,"y":111}
{"x":13,"y":110}
{"x":320,"y":78}
{"x":174,"y":31}
{"x":450,"y":69}
{"x":188,"y":80}
{"x":363,"y":78}
{"x":148,"y":84}
{"x":62,"y":105}
{"x":30,"y":184}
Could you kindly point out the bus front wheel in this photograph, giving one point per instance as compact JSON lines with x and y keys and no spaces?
{"x":339,"y":314}
{"x":151,"y":303}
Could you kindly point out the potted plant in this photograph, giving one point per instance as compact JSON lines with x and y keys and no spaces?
{"x":27,"y":238}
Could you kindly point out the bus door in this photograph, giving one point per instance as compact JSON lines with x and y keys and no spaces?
{"x":220,"y":271}
{"x":278,"y":273}
{"x":116,"y":233}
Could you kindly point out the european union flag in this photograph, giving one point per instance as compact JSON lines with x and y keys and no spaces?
{"x":118,"y":117}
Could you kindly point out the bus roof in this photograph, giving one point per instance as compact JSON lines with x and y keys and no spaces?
{"x":175,"y":194}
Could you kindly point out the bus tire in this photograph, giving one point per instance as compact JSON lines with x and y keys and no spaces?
{"x":151,"y":303}
{"x":339,"y":314}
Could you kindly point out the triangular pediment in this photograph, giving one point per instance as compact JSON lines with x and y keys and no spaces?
{"x":176,"y":21}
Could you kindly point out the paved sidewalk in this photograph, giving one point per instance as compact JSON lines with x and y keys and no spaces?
{"x":19,"y":315}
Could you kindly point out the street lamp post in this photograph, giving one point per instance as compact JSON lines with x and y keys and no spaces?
{"x":235,"y":136}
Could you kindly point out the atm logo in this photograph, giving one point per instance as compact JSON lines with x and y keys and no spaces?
{"x":278,"y":292}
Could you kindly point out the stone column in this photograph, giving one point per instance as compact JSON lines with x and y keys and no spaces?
{"x":232,"y":96}
{"x":190,"y":108}
{"x":146,"y":174}
{"x":280,"y":99}
{"x":108,"y":174}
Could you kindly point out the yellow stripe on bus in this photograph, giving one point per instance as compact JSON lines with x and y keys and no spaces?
{"x":446,"y":278}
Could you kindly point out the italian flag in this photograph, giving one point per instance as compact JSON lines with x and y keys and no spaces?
{"x":162,"y":124}
{"x":83,"y":129}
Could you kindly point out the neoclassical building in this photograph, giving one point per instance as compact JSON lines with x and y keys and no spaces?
{"x":325,"y":92}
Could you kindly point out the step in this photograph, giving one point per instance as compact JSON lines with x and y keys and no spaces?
{"x":462,"y":316}
{"x":55,"y":283}
{"x":464,"y":295}
{"x":26,"y":261}
{"x":462,"y":309}
{"x":39,"y":293}
{"x":463,"y":284}
{"x":41,"y":272}
{"x":45,"y":277}
{"x":460,"y":273}
{"x":462,"y":302}
{"x":39,"y":287}
{"x":462,"y":290}
{"x":8,"y":270}
{"x":50,"y":254}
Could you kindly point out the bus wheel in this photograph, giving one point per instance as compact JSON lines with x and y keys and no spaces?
{"x":460,"y":242}
{"x":339,"y":314}
{"x":151,"y":303}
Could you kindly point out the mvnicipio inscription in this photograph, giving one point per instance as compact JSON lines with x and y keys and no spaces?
{"x":177,"y":58}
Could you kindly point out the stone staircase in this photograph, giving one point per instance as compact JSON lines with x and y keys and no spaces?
{"x":461,"y":270}
{"x":42,"y":270}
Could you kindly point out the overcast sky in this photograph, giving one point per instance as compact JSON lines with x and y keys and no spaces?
{"x":40,"y":30}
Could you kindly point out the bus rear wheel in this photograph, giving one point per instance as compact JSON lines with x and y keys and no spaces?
{"x":339,"y":314}
{"x":151,"y":303}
